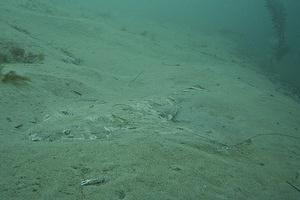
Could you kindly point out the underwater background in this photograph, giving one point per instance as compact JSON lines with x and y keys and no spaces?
{"x":160,"y":99}
{"x":251,"y":19}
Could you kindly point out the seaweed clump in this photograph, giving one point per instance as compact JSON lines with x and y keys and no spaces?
{"x":13,"y":78}
{"x":10,"y":53}
{"x":3,"y":59}
{"x":279,"y":17}
{"x":19,"y":55}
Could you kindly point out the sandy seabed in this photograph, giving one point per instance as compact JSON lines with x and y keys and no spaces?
{"x":143,"y":112}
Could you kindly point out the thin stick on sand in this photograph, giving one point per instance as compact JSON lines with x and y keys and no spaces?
{"x":133,"y":80}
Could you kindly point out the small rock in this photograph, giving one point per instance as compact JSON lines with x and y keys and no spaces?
{"x":175,"y":168}
{"x":35,"y":138}
{"x":67,"y":131}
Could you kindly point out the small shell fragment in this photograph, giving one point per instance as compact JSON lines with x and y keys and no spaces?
{"x":94,"y":181}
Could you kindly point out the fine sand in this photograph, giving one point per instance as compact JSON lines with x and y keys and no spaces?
{"x":147,"y":110}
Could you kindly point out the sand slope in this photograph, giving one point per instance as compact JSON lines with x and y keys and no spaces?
{"x":158,"y":113}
